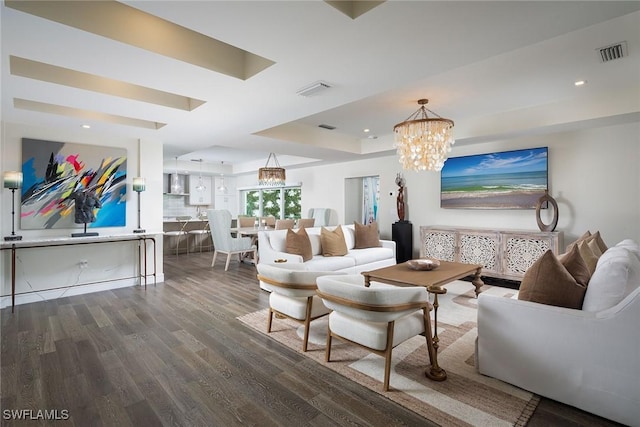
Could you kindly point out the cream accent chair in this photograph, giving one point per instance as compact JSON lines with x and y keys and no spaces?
{"x":306,"y":223}
{"x":282,"y":224}
{"x":379,"y":317}
{"x":293,"y":294}
{"x":223,"y":242}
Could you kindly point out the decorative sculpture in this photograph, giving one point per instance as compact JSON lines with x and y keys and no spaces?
{"x":86,"y":201}
{"x":400,"y":198}
{"x":554,"y":222}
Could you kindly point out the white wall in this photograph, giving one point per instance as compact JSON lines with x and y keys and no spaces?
{"x":593,"y":175}
{"x":40,"y":270}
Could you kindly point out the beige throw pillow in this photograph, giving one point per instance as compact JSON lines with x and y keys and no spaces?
{"x":575,"y":265}
{"x":588,"y":256}
{"x":299,"y":244}
{"x":586,"y":235}
{"x":547,"y":281}
{"x":597,"y":238}
{"x":367,"y":235}
{"x":332,"y":242}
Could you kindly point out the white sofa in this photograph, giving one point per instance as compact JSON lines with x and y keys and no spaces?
{"x":587,"y":358}
{"x":272,"y":244}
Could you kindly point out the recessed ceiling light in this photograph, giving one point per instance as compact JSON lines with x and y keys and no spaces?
{"x":86,"y":126}
{"x":366,"y":130}
{"x":580,"y":83}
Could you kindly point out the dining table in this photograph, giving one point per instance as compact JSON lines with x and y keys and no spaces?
{"x":251,"y":232}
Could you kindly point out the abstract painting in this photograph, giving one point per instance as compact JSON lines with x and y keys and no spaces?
{"x":53,"y":171}
{"x":504,"y":180}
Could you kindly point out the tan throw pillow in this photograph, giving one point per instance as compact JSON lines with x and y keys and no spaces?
{"x":588,"y":256}
{"x":299,"y":244}
{"x":367,"y":235}
{"x":593,"y":245}
{"x":586,"y":235}
{"x":575,"y":265}
{"x":547,"y":281}
{"x":595,"y":237}
{"x":332,"y":242}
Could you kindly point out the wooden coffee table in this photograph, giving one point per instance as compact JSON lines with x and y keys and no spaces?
{"x":433,"y":280}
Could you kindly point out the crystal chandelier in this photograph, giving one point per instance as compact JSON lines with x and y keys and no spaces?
{"x":423,"y":142}
{"x":272,"y":175}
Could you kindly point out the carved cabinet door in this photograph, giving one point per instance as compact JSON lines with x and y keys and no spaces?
{"x":522,"y":250}
{"x":480,"y":247}
{"x":438,"y":244}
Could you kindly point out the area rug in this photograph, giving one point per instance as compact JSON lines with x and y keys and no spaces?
{"x":465,"y":398}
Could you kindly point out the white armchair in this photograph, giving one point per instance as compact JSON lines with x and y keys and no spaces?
{"x":293,"y":294}
{"x":379,"y":317}
{"x":223,"y":241}
{"x":587,"y":359}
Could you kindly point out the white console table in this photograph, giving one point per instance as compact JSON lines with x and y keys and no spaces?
{"x":505,"y":254}
{"x":53,"y":242}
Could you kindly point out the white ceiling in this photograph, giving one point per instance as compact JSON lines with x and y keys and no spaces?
{"x":498,"y":69}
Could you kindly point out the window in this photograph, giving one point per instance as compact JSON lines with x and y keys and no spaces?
{"x":280,"y":202}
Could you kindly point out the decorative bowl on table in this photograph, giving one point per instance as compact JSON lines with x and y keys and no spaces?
{"x":423,"y":264}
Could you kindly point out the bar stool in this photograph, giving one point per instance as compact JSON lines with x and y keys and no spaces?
{"x":200,"y":235}
{"x":178,"y":234}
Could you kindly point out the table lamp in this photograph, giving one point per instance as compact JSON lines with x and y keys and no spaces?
{"x":13,"y":181}
{"x":139,"y":186}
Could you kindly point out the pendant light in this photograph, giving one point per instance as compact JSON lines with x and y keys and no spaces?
{"x":176,"y":187}
{"x":222,"y":188}
{"x":272,"y":175}
{"x":200,"y":187}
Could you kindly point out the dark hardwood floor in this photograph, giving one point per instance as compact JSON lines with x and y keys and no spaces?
{"x":176,"y":355}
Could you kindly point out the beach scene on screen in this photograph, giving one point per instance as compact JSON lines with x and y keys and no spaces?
{"x":503,"y":180}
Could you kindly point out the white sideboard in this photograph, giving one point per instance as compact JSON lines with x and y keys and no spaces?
{"x":505,"y":254}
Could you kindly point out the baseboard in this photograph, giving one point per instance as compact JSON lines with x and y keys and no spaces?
{"x":494,"y":281}
{"x":49,"y":294}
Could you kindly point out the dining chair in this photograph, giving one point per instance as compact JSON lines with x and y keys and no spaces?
{"x":305,"y":222}
{"x":246,"y":221}
{"x":269,"y":221}
{"x":378,"y":318}
{"x":178,"y":234}
{"x":224,"y":242}
{"x":324,"y":216}
{"x":283,"y":224}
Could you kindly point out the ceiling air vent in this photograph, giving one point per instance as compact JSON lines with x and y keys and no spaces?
{"x":314,"y":88}
{"x":329,"y":127}
{"x":615,"y":51}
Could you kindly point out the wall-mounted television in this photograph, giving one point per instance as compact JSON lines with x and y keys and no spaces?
{"x":502,"y":180}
